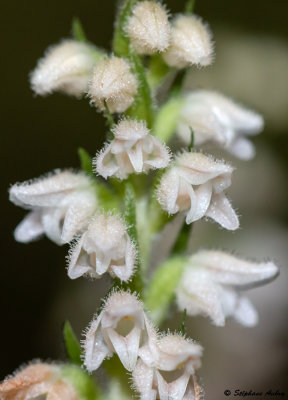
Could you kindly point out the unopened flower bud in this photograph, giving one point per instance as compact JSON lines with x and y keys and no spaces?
{"x":191,"y":43}
{"x":38,"y":380}
{"x":104,"y":247}
{"x":133,"y":150}
{"x":148,"y":28}
{"x":112,"y":82}
{"x":66,"y":67}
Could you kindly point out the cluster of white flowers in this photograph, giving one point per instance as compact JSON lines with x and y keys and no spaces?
{"x":122,"y":327}
{"x":67,"y":208}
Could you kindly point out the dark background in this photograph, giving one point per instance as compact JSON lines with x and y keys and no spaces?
{"x":40,"y":134}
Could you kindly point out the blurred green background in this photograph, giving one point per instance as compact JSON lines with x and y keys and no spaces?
{"x":40,"y":134}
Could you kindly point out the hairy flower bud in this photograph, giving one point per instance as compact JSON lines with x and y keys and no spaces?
{"x":104,"y":247}
{"x":166,"y":371}
{"x":148,"y":28}
{"x":195,"y":184}
{"x":37,"y":380}
{"x":209,"y":282}
{"x":112,"y":82}
{"x":66,"y":67}
{"x":215,"y":118}
{"x":191,"y":43}
{"x":133,"y":150}
{"x":61,"y":204}
{"x":120,"y":328}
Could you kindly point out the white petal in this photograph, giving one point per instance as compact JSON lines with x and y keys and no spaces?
{"x":168,"y":190}
{"x":105,"y":163}
{"x":245,"y":313}
{"x":227,"y":269}
{"x":78,"y":262}
{"x":95,"y":349}
{"x":30,"y":228}
{"x":242,"y":148}
{"x":124,"y":272}
{"x":143,"y":380}
{"x":52,"y":220}
{"x":199,"y":202}
{"x":126,"y":347}
{"x":222,"y":212}
{"x":199,"y":295}
{"x":81,"y":206}
{"x":159,"y":156}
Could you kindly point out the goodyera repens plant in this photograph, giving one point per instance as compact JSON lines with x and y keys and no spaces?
{"x":152,"y":173}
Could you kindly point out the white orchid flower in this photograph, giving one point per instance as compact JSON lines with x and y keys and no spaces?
{"x":61,"y":204}
{"x":211,"y":283}
{"x":166,"y":371}
{"x":215,"y":118}
{"x":104,"y":247}
{"x":120,"y":328}
{"x":133,"y":150}
{"x":196,"y":184}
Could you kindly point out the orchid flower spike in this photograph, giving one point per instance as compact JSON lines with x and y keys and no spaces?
{"x":66,"y":67}
{"x":191,"y":43}
{"x":121,"y":327}
{"x":61,"y":204}
{"x":196,"y":184}
{"x":104,"y":247}
{"x":112,"y":82}
{"x":216,"y":119}
{"x":133,"y":150}
{"x":167,"y":371}
{"x":148,"y":27}
{"x":211,"y":281}
{"x":37,"y":380}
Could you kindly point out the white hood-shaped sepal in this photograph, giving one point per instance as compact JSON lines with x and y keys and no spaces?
{"x":104,"y":247}
{"x":195,"y":183}
{"x":217,"y":119}
{"x":120,"y":328}
{"x":61,"y":205}
{"x":66,"y":67}
{"x":133,"y":150}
